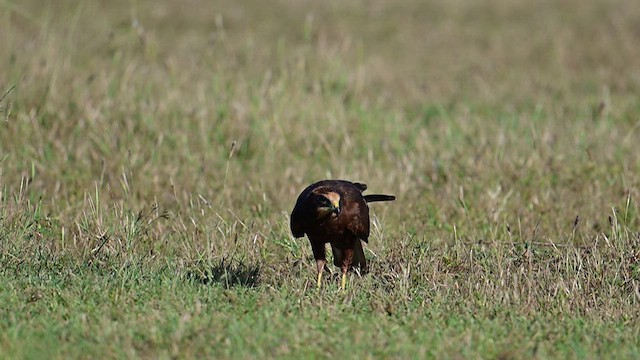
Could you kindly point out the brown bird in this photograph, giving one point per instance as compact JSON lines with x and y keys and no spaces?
{"x":335,"y":212}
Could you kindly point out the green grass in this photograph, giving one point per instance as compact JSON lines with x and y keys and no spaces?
{"x":150,"y":155}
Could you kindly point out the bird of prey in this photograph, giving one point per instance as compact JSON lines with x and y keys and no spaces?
{"x":335,"y":212}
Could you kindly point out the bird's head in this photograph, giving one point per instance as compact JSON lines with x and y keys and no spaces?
{"x":327,"y":204}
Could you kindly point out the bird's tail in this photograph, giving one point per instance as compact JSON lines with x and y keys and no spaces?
{"x":378,"y":197}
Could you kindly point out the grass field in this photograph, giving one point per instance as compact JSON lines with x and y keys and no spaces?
{"x":151,"y":152}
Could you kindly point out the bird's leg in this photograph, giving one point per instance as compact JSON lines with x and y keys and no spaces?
{"x":346,"y":264}
{"x":319,"y":253}
{"x":320,"y":264}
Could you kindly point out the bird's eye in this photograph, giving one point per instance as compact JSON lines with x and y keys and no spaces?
{"x":322,"y":201}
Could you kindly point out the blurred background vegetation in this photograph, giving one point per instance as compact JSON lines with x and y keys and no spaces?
{"x":535,"y":104}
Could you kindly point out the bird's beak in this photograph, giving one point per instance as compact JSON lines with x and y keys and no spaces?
{"x":336,"y":208}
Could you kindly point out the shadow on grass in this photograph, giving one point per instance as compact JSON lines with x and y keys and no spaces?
{"x":229,"y":273}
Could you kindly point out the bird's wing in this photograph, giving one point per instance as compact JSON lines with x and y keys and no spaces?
{"x":358,"y":223}
{"x":296,"y":222}
{"x":362,"y":187}
{"x":301,"y":210}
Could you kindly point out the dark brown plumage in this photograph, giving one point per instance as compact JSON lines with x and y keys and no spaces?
{"x":335,"y":212}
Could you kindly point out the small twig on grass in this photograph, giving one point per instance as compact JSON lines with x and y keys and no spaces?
{"x":94,"y":253}
{"x":226,"y":172}
{"x":7,"y":92}
{"x":6,"y":109}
